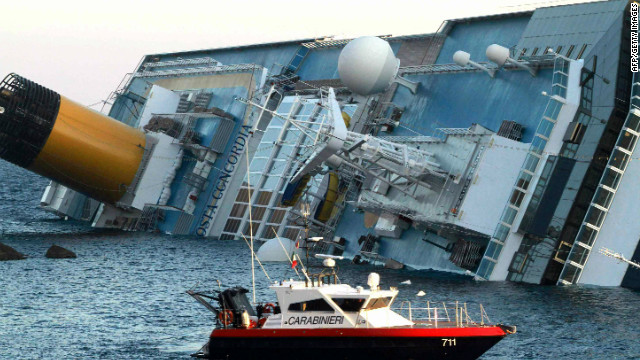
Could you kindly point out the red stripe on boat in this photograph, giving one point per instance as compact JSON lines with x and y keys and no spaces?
{"x":361,"y":332}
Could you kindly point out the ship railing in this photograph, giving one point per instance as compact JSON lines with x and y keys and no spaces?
{"x":543,"y":61}
{"x":182,"y":62}
{"x":200,"y":70}
{"x":443,"y":312}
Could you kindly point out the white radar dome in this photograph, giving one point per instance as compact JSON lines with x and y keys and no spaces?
{"x":274,"y":250}
{"x":498,"y":54}
{"x":367,"y":65}
{"x":373,"y":281}
{"x":461,"y":58}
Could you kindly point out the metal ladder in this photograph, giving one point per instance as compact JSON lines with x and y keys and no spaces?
{"x":297,"y":59}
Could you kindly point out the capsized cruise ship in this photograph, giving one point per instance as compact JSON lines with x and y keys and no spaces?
{"x":499,"y":146}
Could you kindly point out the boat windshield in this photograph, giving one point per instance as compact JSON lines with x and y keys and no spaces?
{"x":311,"y":305}
{"x":349,"y":304}
{"x":377,"y":303}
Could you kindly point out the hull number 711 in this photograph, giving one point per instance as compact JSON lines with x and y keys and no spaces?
{"x":449,"y":342}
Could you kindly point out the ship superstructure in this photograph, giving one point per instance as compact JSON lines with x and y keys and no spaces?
{"x":508,"y":169}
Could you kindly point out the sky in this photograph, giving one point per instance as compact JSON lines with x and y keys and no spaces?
{"x":83,"y":49}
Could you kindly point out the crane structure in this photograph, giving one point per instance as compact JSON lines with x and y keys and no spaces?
{"x":400,"y":166}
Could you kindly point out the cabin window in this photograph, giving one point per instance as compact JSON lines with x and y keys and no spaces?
{"x":378,"y":303}
{"x":277,"y":216}
{"x":251,"y":228}
{"x":263,"y":197}
{"x":238,"y":210}
{"x":231,"y":226}
{"x":311,"y":305}
{"x":243,"y":195}
{"x":349,"y":304}
{"x":270,"y":231}
{"x":291,"y":233}
{"x":257,"y":212}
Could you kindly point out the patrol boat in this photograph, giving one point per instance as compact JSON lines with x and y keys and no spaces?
{"x":320,"y":317}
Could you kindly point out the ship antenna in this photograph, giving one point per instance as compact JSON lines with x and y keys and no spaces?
{"x":291,"y":258}
{"x":306,"y":212}
{"x":253,"y":268}
{"x":257,"y":258}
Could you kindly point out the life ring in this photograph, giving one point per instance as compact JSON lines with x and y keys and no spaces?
{"x":225,"y":317}
{"x":252,"y":324}
{"x":269,"y":308}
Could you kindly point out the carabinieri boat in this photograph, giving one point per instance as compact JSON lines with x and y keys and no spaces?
{"x":320,"y":317}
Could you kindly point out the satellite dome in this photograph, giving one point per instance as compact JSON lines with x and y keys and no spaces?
{"x":498,"y":54}
{"x":461,"y":58}
{"x":367,"y":65}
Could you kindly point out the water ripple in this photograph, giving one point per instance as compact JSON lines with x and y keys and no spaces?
{"x":124,"y":296}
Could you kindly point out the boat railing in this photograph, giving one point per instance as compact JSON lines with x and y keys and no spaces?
{"x":439,"y":312}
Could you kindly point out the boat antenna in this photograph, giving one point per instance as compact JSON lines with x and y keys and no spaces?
{"x":291,"y":257}
{"x":257,"y":258}
{"x":306,"y":212}
{"x":253,"y":268}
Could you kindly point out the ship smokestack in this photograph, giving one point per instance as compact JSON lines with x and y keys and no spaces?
{"x":80,"y":148}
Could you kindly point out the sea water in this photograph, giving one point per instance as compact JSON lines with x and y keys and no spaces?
{"x":124,"y":296}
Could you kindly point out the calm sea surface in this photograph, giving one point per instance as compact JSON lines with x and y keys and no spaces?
{"x":124,"y":296}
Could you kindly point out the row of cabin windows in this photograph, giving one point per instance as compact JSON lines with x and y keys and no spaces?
{"x":346,"y":304}
{"x":558,"y":50}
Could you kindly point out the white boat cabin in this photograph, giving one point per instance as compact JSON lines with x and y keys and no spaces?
{"x":318,"y":304}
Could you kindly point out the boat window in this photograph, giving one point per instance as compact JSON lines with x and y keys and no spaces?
{"x":311,"y":305}
{"x":378,"y":303}
{"x":349,"y":304}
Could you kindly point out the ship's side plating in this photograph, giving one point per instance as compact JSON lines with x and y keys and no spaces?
{"x":454,"y":343}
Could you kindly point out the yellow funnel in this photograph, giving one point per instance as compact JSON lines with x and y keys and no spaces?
{"x":67,"y":142}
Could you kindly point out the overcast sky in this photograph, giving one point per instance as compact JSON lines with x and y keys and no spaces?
{"x":82,"y":49}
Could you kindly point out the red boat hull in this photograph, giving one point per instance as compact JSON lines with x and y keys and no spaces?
{"x":321,"y":344}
